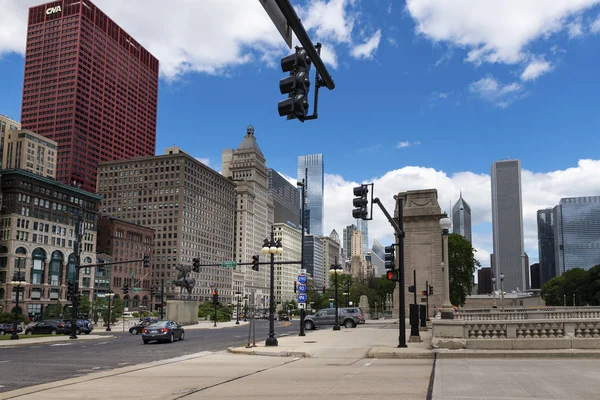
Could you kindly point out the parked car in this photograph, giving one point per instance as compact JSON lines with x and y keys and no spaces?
{"x":163,"y":331}
{"x":284,"y":317}
{"x":52,"y":326}
{"x":326,"y":316}
{"x":83,"y":326}
{"x":6,"y":329}
{"x":353,"y":311}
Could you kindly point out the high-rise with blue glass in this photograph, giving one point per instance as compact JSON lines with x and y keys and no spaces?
{"x":311,"y":168}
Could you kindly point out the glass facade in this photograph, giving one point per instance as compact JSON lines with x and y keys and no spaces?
{"x":347,"y":238}
{"x":363,"y":227}
{"x":546,"y":227}
{"x":578,"y":233}
{"x":286,"y":198}
{"x":313,"y":259}
{"x":311,"y":166}
{"x":461,"y":219}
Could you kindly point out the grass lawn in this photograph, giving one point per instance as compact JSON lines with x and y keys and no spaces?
{"x":23,"y":336}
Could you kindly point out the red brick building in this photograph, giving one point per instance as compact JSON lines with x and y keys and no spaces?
{"x":122,"y":240}
{"x":89,"y":86}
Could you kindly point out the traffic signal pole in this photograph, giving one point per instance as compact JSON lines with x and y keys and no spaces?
{"x":75,"y":299}
{"x":162,"y":297}
{"x":303,"y":185}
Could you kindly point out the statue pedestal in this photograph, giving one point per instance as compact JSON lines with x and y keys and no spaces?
{"x":183,"y":311}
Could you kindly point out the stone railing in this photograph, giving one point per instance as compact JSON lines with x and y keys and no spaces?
{"x":529,"y":314}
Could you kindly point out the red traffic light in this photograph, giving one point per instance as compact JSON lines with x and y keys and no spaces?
{"x":295,"y":287}
{"x":423,"y":292}
{"x":392,"y":275}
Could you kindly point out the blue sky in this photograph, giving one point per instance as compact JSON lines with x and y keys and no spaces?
{"x":427,"y":94}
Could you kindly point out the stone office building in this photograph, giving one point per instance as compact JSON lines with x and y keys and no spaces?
{"x":191,"y":208}
{"x":37,"y":231}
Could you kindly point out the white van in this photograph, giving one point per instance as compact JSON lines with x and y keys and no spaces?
{"x":128,"y":314}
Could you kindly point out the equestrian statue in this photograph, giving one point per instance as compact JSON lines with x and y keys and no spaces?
{"x":183,"y":281}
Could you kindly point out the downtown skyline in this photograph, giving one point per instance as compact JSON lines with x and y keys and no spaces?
{"x":496,"y":106}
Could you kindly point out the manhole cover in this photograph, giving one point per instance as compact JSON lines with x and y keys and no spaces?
{"x":311,"y":341}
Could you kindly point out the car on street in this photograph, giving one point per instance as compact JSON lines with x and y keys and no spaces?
{"x":347,"y":317}
{"x":137,"y":328}
{"x":83,"y":326}
{"x":52,"y":326}
{"x":6,"y":329}
{"x":163,"y":331}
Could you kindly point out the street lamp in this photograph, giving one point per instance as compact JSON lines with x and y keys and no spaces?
{"x":245,"y":307}
{"x":238,"y":297}
{"x":272,"y":247}
{"x":494,"y":291}
{"x":17,"y":282}
{"x":447,"y":310}
{"x":502,"y":289}
{"x":336,"y":269}
{"x":110,"y":294}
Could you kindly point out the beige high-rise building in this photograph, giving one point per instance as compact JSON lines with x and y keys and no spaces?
{"x":285,"y":275}
{"x":331,"y":253}
{"x":26,"y":150}
{"x":191,"y":209}
{"x":357,"y":244}
{"x":7,"y":125}
{"x":254,"y":217}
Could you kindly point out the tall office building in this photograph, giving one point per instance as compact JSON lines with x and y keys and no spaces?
{"x":286,"y":199}
{"x":286,"y":274}
{"x":331,"y":253}
{"x":461,"y":219}
{"x":507,"y":221}
{"x":31,"y":152}
{"x":357,"y":244}
{"x":311,"y":166}
{"x":577,"y":233}
{"x":6,"y":125}
{"x":254,"y":212}
{"x":363,"y":227}
{"x":378,"y":249}
{"x":347,"y":240}
{"x":313,"y":260}
{"x":89,"y":86}
{"x":546,"y":249}
{"x":190,"y":207}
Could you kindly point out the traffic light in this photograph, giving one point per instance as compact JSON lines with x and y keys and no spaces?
{"x":390,"y":258}
{"x":215,"y":297}
{"x":411,"y":289}
{"x":296,"y":86}
{"x":393,"y":275}
{"x":323,"y":288}
{"x":70,"y":290}
{"x":255,"y":260}
{"x":126,"y":288}
{"x":295,"y":287}
{"x":146,"y":261}
{"x":423,"y":292}
{"x":196,"y":265}
{"x":430,"y":290}
{"x":151,"y":290}
{"x":360,"y":202}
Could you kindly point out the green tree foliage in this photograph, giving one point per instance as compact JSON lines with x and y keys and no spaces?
{"x":207,"y":310}
{"x":85,"y":306}
{"x":9,"y":318}
{"x":585,"y":285}
{"x":462,"y":267}
{"x":54,"y":311}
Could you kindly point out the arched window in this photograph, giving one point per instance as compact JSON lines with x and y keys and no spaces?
{"x":136,"y":301}
{"x":126,"y":301}
{"x":145,"y":301}
{"x":56,"y":262}
{"x":20,"y":256}
{"x":71,"y":267}
{"x":37,"y":266}
{"x":87,"y":261}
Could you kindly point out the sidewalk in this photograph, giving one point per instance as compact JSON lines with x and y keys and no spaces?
{"x":50,"y":339}
{"x":365,"y":341}
{"x":210,"y":325}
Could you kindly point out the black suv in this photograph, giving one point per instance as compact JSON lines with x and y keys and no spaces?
{"x":52,"y":326}
{"x":5,"y":329}
{"x":83,"y":326}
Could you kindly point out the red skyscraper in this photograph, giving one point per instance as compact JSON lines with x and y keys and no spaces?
{"x":90,"y":87}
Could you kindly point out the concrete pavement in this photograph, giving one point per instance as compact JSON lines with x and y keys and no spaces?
{"x":31,"y":340}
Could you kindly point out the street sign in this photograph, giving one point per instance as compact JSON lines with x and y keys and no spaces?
{"x":301,"y":306}
{"x":302,"y":279}
{"x":228,"y":264}
{"x":301,"y":298}
{"x":137,"y":289}
{"x":301,"y":288}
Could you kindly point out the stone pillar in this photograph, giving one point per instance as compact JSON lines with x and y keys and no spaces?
{"x":46,"y":272}
{"x":63,"y":280}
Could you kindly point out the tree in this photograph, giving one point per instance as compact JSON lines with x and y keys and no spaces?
{"x":585,"y":285}
{"x":207,"y":310}
{"x":54,"y":311}
{"x":462,"y":267}
{"x":85,"y":306}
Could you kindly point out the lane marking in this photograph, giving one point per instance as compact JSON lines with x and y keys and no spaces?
{"x":61,"y":344}
{"x":4,"y":361}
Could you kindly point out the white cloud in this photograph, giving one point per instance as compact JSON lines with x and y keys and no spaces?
{"x":208,"y":36}
{"x":366,"y":49}
{"x":595,"y":26}
{"x":540,"y":190}
{"x":535,"y":69}
{"x":495,"y":92}
{"x":204,"y":161}
{"x":493,"y":30}
{"x":575,"y":29}
{"x":402,"y":145}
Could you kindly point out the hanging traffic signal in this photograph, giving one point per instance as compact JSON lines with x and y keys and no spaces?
{"x":296,"y":86}
{"x":360,"y":202}
{"x":390,"y":258}
{"x":323,"y":288}
{"x":151,"y":290}
{"x":126,"y":288}
{"x":196,"y":265}
{"x":215,"y":297}
{"x":430,"y":290}
{"x":295,"y":287}
{"x":411,"y":289}
{"x":70,"y":290}
{"x":423,"y":292}
{"x":146,"y":261}
{"x":255,"y":260}
{"x":393,"y":275}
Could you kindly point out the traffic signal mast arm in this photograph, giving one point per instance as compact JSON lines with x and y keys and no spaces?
{"x":395,"y":225}
{"x":108,"y":263}
{"x":260,"y":263}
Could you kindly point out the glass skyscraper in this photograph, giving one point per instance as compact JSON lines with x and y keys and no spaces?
{"x":363,"y":227}
{"x":311,"y":167}
{"x":286,"y":199}
{"x":546,"y":248}
{"x":461,"y":219}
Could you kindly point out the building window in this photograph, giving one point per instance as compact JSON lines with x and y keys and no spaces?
{"x":37,"y":267}
{"x":56,"y":268}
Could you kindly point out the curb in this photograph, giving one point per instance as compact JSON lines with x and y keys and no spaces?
{"x":28,"y":342}
{"x":283,"y":353}
{"x":518,"y":354}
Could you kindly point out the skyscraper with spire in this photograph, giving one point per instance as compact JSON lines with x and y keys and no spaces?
{"x":461,"y":219}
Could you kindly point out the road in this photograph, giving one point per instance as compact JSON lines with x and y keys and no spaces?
{"x":23,"y":366}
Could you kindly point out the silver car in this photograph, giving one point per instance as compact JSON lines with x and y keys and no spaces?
{"x":326,"y":316}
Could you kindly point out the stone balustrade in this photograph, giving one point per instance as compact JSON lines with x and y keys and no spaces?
{"x":551,"y":313}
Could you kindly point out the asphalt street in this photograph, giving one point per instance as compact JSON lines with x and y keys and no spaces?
{"x":23,"y":366}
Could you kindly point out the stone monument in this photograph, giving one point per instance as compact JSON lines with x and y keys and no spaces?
{"x":422,"y":247}
{"x":363,"y":304}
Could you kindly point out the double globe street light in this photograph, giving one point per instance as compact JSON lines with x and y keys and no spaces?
{"x":17,"y":282}
{"x":336,"y":269}
{"x":272,"y":247}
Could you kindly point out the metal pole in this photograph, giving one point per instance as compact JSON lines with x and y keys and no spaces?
{"x":162,"y":297}
{"x":494,"y":291}
{"x":414,"y":325}
{"x":272,"y":340}
{"x":336,"y":327}
{"x":78,"y":247}
{"x":215,"y":304}
{"x":573,"y":299}
{"x":253,"y":320}
{"x":108,"y":322}
{"x":15,"y":335}
{"x":402,"y":305}
{"x":303,"y":185}
{"x":427,"y":299}
{"x":237,"y":321}
{"x":502,"y":290}
{"x":564,"y":300}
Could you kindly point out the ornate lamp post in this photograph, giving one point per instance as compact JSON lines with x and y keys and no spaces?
{"x":447,"y":310}
{"x":110,"y":294}
{"x":336,"y":269}
{"x":272,"y":247}
{"x":17,"y":282}
{"x":245,"y":307}
{"x":494,"y":291}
